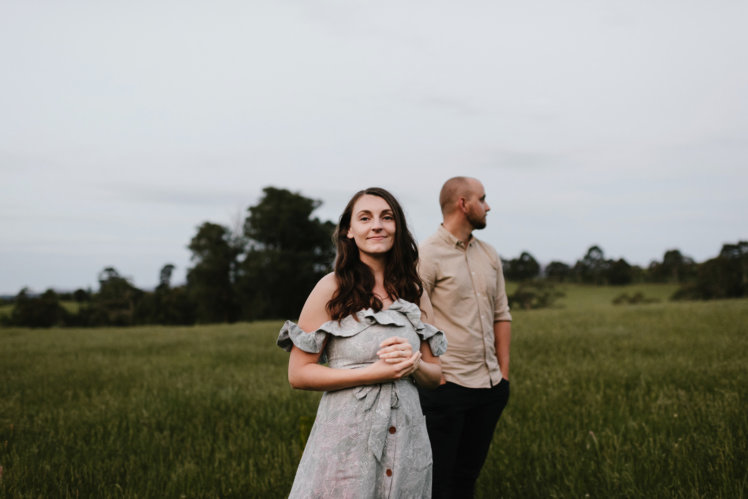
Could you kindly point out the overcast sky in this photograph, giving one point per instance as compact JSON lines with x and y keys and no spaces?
{"x":126,"y":124}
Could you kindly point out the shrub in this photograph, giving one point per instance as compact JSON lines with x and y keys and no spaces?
{"x":534,"y":294}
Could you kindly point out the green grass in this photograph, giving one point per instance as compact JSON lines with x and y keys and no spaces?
{"x":580,"y":296}
{"x":630,"y":401}
{"x":607,"y":401}
{"x":203,"y":412}
{"x":70,"y":306}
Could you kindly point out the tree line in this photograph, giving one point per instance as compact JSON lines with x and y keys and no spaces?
{"x":266,"y":269}
{"x":724,"y":276}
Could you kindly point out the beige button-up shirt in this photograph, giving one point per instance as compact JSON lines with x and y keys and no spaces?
{"x":467,"y":291}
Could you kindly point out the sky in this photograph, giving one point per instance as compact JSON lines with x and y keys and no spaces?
{"x":126,"y":125}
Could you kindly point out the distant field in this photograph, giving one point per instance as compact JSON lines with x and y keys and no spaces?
{"x":70,"y":306}
{"x":583,"y":295}
{"x":607,"y":401}
{"x":577,"y":295}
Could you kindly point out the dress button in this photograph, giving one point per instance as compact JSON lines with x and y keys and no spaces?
{"x":388,"y":472}
{"x":392,"y":429}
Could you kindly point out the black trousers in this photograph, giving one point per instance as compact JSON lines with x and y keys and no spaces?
{"x":461,"y":422}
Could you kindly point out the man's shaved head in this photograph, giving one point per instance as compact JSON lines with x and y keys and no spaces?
{"x":452,"y":190}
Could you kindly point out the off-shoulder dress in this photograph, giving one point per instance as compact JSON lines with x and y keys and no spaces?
{"x":366,"y":441}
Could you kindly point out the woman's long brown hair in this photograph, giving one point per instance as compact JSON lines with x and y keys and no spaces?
{"x":355,"y":278}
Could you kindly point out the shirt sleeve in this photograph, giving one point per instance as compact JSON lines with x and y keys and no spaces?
{"x":501,"y":305}
{"x":427,"y":270}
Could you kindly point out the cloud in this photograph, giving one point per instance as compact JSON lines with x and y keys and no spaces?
{"x":175,"y":195}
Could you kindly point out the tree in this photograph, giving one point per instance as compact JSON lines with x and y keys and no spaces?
{"x":164,"y":278}
{"x":725,"y":276}
{"x":523,"y":268}
{"x":558,"y":271}
{"x":592,"y":268}
{"x":167,"y":304}
{"x":675,"y":267}
{"x":38,"y":311}
{"x":619,"y":272}
{"x":116,"y":300}
{"x":288,"y":252}
{"x":81,"y":295}
{"x":734,"y":251}
{"x":173,"y":304}
{"x":211,"y":281}
{"x":176,"y":306}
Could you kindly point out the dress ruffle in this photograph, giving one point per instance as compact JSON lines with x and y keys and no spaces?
{"x":396,"y":315}
{"x":435,"y":337}
{"x":291,"y":334}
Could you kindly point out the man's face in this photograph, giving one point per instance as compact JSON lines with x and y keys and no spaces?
{"x":477,"y":207}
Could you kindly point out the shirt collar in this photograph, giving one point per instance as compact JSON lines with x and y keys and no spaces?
{"x":450,"y":238}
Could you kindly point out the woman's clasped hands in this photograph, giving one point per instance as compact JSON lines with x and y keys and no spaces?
{"x":396,"y":358}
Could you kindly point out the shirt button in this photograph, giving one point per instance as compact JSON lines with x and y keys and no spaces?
{"x":388,"y":472}
{"x":392,"y":429}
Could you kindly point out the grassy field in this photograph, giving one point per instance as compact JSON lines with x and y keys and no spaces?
{"x":607,"y":401}
{"x":70,"y":306}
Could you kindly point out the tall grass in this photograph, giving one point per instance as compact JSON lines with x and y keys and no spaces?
{"x":629,"y":401}
{"x":200,"y":412}
{"x":643,"y":401}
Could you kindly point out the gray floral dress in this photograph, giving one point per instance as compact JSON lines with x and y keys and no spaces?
{"x":367,"y":441}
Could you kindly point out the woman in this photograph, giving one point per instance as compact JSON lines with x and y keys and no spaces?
{"x":369,"y":438}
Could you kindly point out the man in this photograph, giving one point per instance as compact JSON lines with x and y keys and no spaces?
{"x":464,"y":280}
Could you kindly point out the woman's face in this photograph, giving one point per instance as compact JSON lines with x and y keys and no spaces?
{"x":373,"y":225}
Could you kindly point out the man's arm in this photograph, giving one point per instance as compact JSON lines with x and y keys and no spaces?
{"x":502,"y":332}
{"x":427,"y":272}
{"x":502,"y":325}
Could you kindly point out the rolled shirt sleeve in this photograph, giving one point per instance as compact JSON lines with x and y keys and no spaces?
{"x":501,"y":307}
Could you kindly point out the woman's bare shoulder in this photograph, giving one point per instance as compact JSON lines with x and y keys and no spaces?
{"x":327,"y":285}
{"x":315,"y":313}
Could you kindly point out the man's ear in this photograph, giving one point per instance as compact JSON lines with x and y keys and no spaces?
{"x":462,"y":204}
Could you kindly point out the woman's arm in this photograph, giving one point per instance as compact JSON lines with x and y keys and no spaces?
{"x":305,"y":374}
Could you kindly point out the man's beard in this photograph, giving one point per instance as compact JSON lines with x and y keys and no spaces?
{"x":477,"y":223}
